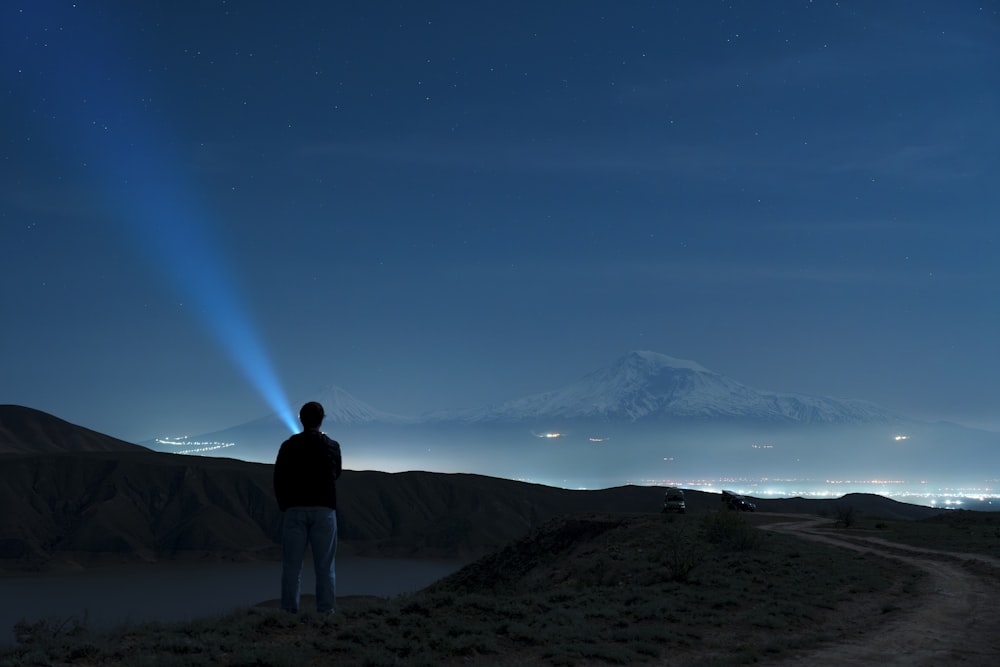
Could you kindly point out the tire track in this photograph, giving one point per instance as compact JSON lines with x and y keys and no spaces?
{"x":955,"y":620}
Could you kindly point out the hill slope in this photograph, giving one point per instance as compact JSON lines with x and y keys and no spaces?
{"x":26,"y":430}
{"x":77,"y":509}
{"x":73,"y":510}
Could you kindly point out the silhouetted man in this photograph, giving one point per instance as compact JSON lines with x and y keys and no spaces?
{"x":305,"y":485}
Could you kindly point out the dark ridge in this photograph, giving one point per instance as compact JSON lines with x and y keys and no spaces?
{"x":26,"y":430}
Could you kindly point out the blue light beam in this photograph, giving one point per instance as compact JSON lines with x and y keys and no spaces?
{"x":98,"y":112}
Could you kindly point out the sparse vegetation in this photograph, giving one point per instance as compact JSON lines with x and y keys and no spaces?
{"x":682,"y":555}
{"x":846,"y":515}
{"x":701,"y":589}
{"x":47,"y":630}
{"x":731,"y":531}
{"x":955,"y":531}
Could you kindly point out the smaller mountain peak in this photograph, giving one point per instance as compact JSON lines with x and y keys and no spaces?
{"x":342,"y":407}
{"x":333,"y":395}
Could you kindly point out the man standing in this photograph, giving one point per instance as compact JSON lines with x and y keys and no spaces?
{"x":305,"y":475}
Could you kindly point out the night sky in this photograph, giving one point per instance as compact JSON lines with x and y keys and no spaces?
{"x":447,"y":204}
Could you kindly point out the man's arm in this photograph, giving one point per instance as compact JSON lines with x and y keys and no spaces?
{"x":335,"y":458}
{"x":280,"y":477}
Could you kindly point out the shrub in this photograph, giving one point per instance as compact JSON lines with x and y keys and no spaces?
{"x":681,"y":555}
{"x":846,"y":515}
{"x":730,"y":531}
{"x":47,"y":629}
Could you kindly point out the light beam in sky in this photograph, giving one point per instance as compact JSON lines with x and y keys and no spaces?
{"x":99,"y":116}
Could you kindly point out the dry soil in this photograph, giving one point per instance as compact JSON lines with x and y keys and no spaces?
{"x":955,"y":621}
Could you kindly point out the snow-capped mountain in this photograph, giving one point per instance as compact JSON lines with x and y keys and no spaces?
{"x":645,"y":417}
{"x":343,"y":408}
{"x":648,"y":385}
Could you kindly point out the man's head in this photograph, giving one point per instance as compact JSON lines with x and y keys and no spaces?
{"x":311,"y":415}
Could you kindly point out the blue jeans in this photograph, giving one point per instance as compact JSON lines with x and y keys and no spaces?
{"x":316,"y":528}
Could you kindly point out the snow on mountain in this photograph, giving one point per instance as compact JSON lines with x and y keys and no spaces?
{"x":343,"y":408}
{"x":648,"y":385}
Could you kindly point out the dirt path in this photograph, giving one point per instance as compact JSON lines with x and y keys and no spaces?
{"x":956,"y":620}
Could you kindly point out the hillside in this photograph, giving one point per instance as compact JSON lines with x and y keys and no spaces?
{"x":76,"y":509}
{"x":26,"y":430}
{"x":66,"y":510}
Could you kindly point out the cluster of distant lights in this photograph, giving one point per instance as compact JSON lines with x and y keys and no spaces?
{"x":876,"y":482}
{"x":555,"y":434}
{"x":834,"y":488}
{"x":897,"y":438}
{"x":763,"y":487}
{"x":193,"y":446}
{"x":552,"y":435}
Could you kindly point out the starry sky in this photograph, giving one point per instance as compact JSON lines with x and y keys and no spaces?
{"x":448,"y":204}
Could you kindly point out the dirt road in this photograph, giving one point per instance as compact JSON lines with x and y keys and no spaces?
{"x":955,"y":621}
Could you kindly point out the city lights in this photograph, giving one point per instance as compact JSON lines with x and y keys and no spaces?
{"x":195,"y":447}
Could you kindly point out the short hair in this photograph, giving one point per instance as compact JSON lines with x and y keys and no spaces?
{"x":311,"y":415}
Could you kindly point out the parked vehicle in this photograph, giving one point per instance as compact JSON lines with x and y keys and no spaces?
{"x":673,"y":501}
{"x":735,"y":501}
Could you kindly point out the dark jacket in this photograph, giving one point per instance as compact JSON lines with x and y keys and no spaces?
{"x":306,"y":471}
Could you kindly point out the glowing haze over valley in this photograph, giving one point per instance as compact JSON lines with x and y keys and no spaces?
{"x":653,"y":419}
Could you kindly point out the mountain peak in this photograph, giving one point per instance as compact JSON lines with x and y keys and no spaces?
{"x":343,"y":408}
{"x":649,"y":385}
{"x":654,"y":361}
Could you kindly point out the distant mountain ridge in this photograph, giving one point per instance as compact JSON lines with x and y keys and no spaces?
{"x":648,"y":385}
{"x":640,"y":386}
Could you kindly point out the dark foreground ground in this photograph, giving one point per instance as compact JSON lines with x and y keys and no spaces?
{"x":707,"y":588}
